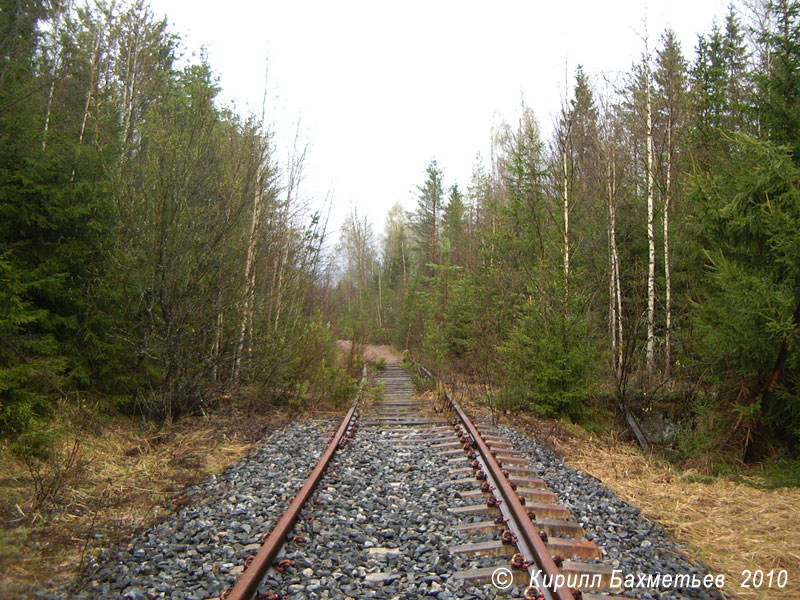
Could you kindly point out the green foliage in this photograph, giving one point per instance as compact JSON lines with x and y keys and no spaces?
{"x":145,"y":257}
{"x":720,"y":92}
{"x":701,"y":438}
{"x":784,"y":410}
{"x":376,"y":391}
{"x":36,"y":442}
{"x":53,"y":232}
{"x":421,"y":384}
{"x":333,"y":386}
{"x":359,"y":314}
{"x":478,"y":317}
{"x":783,"y":472}
{"x":413,"y":312}
{"x":175,"y":233}
{"x":741,"y":320}
{"x":309,"y":364}
{"x":433,"y":351}
{"x":427,"y":222}
{"x":779,"y":84}
{"x":598,"y":417}
{"x":748,"y":213}
{"x":29,"y":364}
{"x":151,"y":253}
{"x":550,"y":360}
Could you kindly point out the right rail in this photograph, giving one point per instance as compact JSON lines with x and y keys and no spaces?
{"x":528,"y":540}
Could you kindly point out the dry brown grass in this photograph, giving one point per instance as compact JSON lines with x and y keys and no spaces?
{"x":374,"y":351}
{"x":729,"y":525}
{"x":126,"y":477}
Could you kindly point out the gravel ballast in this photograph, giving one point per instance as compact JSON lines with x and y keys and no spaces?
{"x":378,"y":526}
{"x":630,"y":542}
{"x":191,"y":555}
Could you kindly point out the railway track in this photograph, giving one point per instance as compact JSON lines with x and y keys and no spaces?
{"x":403,"y":500}
{"x":515,"y":536}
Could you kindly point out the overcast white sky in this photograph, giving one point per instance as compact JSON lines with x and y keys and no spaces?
{"x":380,"y":88}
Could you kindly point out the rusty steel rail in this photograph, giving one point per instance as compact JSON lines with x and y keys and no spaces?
{"x":529,"y":542}
{"x":247,"y":585}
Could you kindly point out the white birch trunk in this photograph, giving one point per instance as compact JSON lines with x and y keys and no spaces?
{"x":296,"y":161}
{"x":612,"y":322}
{"x":615,"y":287}
{"x":380,"y":300}
{"x":92,"y":88}
{"x":667,"y":274}
{"x":53,"y":71}
{"x":612,"y":291}
{"x":651,"y":239}
{"x":565,"y":184}
{"x":131,"y":94}
{"x":216,"y":347}
{"x":280,"y":267}
{"x":250,"y":279}
{"x":618,"y":287}
{"x":403,"y":254}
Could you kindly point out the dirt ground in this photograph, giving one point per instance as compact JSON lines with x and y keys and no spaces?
{"x":375,"y":352}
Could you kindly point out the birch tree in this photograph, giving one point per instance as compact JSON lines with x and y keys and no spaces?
{"x":564,"y":174}
{"x":246,"y":322}
{"x":286,"y":214}
{"x":670,"y":78}
{"x":610,"y":128}
{"x":98,"y":25}
{"x":651,"y":238}
{"x":53,"y":49}
{"x":143,"y":56}
{"x":359,"y":280}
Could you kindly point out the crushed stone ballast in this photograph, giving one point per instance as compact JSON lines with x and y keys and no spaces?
{"x":409,"y":508}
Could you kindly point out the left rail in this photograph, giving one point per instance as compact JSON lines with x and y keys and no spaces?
{"x":247,"y":585}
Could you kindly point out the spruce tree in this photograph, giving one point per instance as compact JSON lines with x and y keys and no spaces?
{"x":427,"y":219}
{"x":748,"y":210}
{"x":779,"y":87}
{"x":453,"y":226}
{"x":55,"y":221}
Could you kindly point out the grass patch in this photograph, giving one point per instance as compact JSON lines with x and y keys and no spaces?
{"x":782,"y":472}
{"x":102,"y":480}
{"x":378,"y":364}
{"x":422,"y":384}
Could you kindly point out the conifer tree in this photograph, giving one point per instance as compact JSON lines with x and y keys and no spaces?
{"x":748,"y":210}
{"x":453,"y":226}
{"x":427,"y":218}
{"x":779,"y":86}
